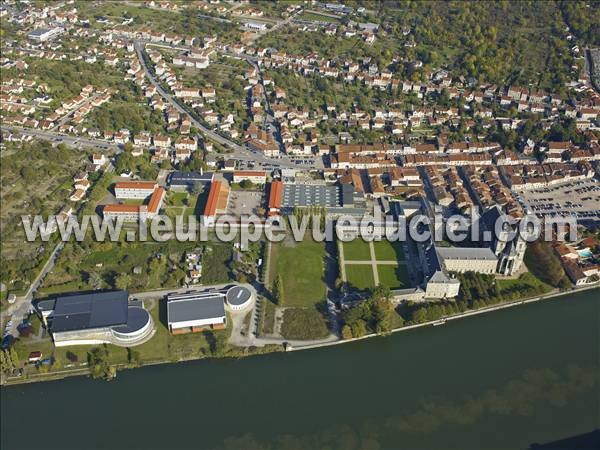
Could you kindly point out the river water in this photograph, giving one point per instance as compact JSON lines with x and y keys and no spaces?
{"x":505,"y":380}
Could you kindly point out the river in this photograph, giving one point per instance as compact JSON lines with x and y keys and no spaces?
{"x":505,"y":380}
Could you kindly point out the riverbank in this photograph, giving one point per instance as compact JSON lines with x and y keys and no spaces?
{"x":507,"y":380}
{"x":474,"y":312}
{"x":297,"y":346}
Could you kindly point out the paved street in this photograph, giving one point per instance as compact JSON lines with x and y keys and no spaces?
{"x":59,"y":138}
{"x":20,"y":309}
{"x":240,"y":152}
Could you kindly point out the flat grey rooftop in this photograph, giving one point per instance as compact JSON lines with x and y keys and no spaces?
{"x":310,"y":195}
{"x":484,"y":254}
{"x":182,"y":308}
{"x":238,"y":295}
{"x":89,"y":310}
{"x":137,"y":318}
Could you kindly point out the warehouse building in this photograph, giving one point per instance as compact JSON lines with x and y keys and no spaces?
{"x":197,"y":311}
{"x":96,"y":318}
{"x":45,"y":34}
{"x":337,"y":200}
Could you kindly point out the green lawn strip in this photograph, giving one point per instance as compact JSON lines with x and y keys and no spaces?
{"x":301,"y":268}
{"x":357,"y":250}
{"x":165,"y":346}
{"x":70,"y":286}
{"x":388,"y":250}
{"x":360,"y":276}
{"x":303,"y":324}
{"x":133,"y":201}
{"x":393,"y":277}
{"x":267,"y":323}
{"x":527,"y":282}
{"x":177,"y":198}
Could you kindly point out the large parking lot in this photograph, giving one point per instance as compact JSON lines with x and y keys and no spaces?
{"x":580,"y":199}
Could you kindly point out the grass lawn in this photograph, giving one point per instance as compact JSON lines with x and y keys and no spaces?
{"x":357,"y":250}
{"x":301,"y":266}
{"x":133,"y":201}
{"x":267,"y":322}
{"x":394,"y":277}
{"x":177,"y":198}
{"x":388,"y":250}
{"x":360,"y":276}
{"x":527,"y":282}
{"x":303,"y":324}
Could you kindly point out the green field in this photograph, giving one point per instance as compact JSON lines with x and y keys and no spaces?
{"x":526,"y":281}
{"x":394,"y":277}
{"x":360,"y":276}
{"x":356,"y":250}
{"x":388,"y":250}
{"x":177,"y":198}
{"x":301,"y":267}
{"x":303,"y":323}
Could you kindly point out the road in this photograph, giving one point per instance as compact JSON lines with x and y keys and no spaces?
{"x":55,"y":137}
{"x":240,"y":152}
{"x":70,"y":114}
{"x":139,"y":47}
{"x":284,"y":160}
{"x":20,"y":309}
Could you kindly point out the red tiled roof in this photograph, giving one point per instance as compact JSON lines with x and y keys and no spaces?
{"x":213,"y":199}
{"x":275,"y":195}
{"x":121,"y":209}
{"x":249,"y":173}
{"x":155,"y":200}
{"x":135,"y":185}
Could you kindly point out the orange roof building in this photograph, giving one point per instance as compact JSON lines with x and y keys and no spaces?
{"x":134,"y":189}
{"x":218,"y":198}
{"x":132,"y":213}
{"x":275,"y":197}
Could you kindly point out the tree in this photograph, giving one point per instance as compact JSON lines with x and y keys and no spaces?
{"x":197,"y":187}
{"x":94,"y":280}
{"x":359,"y":328}
{"x":98,"y":362}
{"x":419,"y":315}
{"x":133,"y":357}
{"x":346,"y":332}
{"x":543,"y":263}
{"x":246,"y":184}
{"x":123,"y":281}
{"x":278,"y":290}
{"x":14,"y":357}
{"x":383,"y":311}
{"x":5,"y":362}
